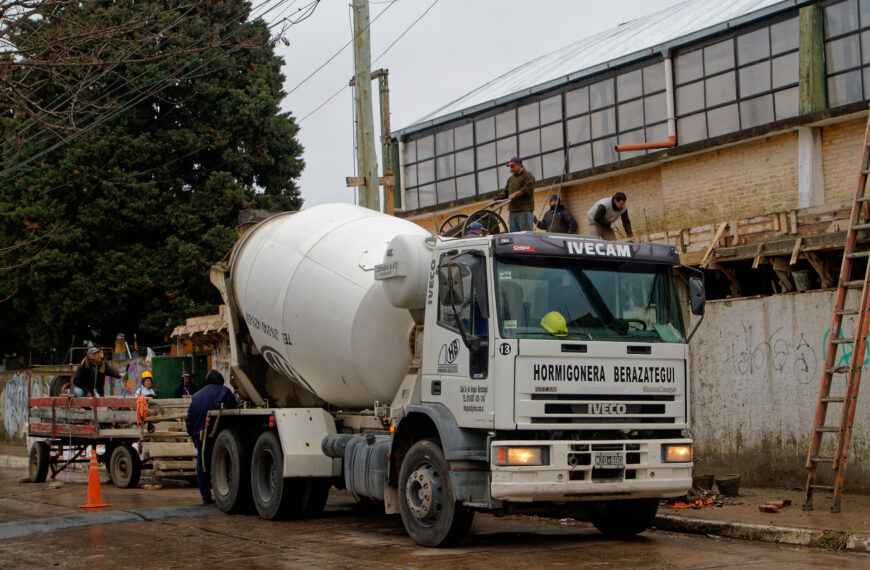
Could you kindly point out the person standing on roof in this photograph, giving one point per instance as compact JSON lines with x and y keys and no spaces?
{"x":557,"y":219}
{"x":520,"y":190}
{"x":213,"y":396}
{"x":606,"y":211}
{"x":90,"y":376}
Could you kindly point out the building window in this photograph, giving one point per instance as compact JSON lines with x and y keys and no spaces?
{"x":847,"y":51}
{"x":740,"y":82}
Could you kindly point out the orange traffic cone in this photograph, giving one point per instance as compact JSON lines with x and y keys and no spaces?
{"x":95,"y":496}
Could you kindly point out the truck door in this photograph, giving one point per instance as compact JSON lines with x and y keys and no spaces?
{"x":459,"y":343}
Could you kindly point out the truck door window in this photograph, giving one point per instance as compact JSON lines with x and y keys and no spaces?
{"x":473,"y":309}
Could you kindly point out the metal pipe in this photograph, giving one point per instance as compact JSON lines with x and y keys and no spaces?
{"x":672,"y":122}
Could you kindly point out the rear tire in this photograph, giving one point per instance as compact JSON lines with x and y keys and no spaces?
{"x":624,"y":519}
{"x":275,"y":496}
{"x":231,"y":472}
{"x":431,"y":514}
{"x":317,"y":497}
{"x":38,"y":464}
{"x":125,"y":468}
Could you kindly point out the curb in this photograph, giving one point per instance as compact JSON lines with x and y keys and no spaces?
{"x":12,"y":461}
{"x":837,"y":540}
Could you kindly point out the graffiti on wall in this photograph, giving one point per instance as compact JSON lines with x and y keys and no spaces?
{"x":14,"y":402}
{"x":791,"y":355}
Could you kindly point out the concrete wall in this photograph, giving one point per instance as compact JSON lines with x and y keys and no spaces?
{"x":756,"y":367}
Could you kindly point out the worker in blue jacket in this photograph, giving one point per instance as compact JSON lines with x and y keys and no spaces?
{"x":213,"y":396}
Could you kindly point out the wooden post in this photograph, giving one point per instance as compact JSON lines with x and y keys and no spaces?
{"x":811,"y":58}
{"x":367,"y":160}
{"x":383,"y":77}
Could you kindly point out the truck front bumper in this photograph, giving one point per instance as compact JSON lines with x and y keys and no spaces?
{"x":590,"y":471}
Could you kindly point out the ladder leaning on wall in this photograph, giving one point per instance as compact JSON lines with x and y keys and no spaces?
{"x":857,"y":336}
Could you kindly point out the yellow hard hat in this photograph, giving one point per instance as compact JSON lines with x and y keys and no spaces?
{"x":553,"y":322}
{"x":147,"y":374}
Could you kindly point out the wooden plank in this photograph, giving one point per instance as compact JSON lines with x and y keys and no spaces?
{"x":732,"y":278}
{"x":783,"y":272}
{"x":66,"y":402}
{"x":796,"y":251}
{"x":105,"y":415}
{"x":719,"y":231}
{"x":165,"y":417}
{"x":819,"y":265}
{"x":757,"y":261}
{"x":171,"y":449}
{"x":164,"y":465}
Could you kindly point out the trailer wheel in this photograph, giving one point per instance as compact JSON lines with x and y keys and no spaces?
{"x":430,"y":511}
{"x":231,"y":472}
{"x":275,"y":496}
{"x":125,"y":468}
{"x":624,"y":519}
{"x":38,"y":465}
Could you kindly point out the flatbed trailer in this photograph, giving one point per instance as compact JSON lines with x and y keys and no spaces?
{"x":65,"y":427}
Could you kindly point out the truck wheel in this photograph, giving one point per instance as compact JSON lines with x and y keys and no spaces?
{"x":125,"y":466}
{"x":38,"y":464}
{"x":274,"y":495}
{"x":231,"y":472}
{"x":317,"y":496}
{"x":430,"y":511}
{"x":624,"y":519}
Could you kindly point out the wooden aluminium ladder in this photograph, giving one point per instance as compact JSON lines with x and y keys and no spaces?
{"x":857,"y":336}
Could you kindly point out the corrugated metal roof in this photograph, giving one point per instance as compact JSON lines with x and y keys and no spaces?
{"x":678,"y":24}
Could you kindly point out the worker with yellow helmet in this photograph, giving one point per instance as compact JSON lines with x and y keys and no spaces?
{"x":147,"y":387}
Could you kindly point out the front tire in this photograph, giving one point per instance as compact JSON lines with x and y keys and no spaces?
{"x":125,"y":468}
{"x":231,"y":472}
{"x":431,"y":514}
{"x":38,"y":464}
{"x":624,"y":519}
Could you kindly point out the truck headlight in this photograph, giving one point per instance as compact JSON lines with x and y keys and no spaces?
{"x":677,"y":453}
{"x":521,"y":456}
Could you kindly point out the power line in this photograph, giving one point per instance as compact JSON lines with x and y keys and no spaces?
{"x":382,"y":54}
{"x":156,"y":87}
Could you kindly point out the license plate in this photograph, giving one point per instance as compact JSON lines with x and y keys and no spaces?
{"x":609,"y":460}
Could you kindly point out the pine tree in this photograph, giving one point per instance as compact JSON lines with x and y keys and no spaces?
{"x":173,"y":131}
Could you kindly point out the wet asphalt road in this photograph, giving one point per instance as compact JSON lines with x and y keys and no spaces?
{"x":344,"y":537}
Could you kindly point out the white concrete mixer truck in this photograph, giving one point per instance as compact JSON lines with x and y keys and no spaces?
{"x":514,"y":373}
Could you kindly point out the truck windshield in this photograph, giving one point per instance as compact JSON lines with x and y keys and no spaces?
{"x":591,"y":300}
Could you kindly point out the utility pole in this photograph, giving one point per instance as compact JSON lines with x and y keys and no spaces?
{"x":367,"y":160}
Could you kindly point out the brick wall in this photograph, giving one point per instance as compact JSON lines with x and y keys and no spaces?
{"x":841,"y":150}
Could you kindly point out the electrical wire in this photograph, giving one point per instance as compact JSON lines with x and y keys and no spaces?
{"x":156,"y":87}
{"x":382,"y":54}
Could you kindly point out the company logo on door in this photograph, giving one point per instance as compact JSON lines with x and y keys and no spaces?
{"x":447,"y":358}
{"x":607,"y":409}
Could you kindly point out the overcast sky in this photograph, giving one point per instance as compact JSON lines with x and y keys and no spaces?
{"x":456,"y":47}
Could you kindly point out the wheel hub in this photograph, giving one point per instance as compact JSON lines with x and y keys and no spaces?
{"x":423,"y":490}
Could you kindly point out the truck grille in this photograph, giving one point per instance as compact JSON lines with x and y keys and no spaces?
{"x":599,"y":409}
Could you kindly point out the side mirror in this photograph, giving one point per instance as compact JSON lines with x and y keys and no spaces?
{"x":450,"y":285}
{"x":697,"y":298}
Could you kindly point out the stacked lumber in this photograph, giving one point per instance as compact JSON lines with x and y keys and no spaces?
{"x":166,"y":441}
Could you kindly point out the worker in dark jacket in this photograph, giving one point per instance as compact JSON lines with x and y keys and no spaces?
{"x":90,"y":377}
{"x":186,"y":388}
{"x":520,"y":190}
{"x":604,"y":212}
{"x":557,"y":219}
{"x":213,"y":396}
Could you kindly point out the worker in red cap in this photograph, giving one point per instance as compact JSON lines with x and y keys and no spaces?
{"x":520,"y":190}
